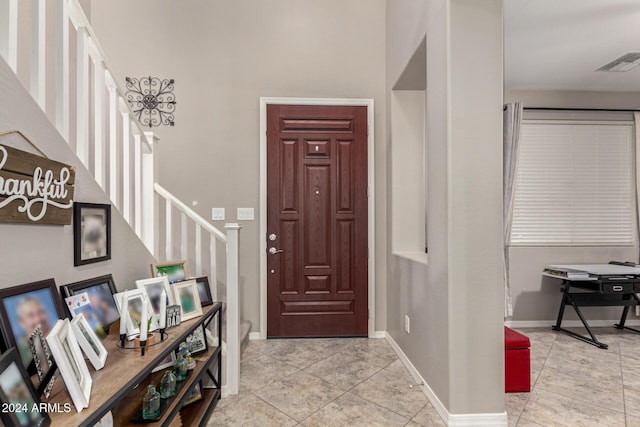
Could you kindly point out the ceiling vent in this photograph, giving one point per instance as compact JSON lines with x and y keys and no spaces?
{"x":626,"y":62}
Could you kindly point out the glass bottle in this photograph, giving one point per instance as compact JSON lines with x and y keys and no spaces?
{"x":168,"y":385}
{"x":180,"y":368}
{"x":151,"y":403}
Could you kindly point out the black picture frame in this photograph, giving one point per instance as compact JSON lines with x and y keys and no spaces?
{"x":41,"y":296}
{"x":198,"y":340}
{"x":16,"y":390}
{"x":104,"y":306}
{"x":204,"y":290}
{"x":91,"y":233}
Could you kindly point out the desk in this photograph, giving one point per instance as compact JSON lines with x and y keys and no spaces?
{"x":598,"y":285}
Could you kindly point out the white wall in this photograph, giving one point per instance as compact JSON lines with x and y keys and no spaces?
{"x":225,"y":55}
{"x":536,"y":298}
{"x":455,"y":300}
{"x":34,"y":252}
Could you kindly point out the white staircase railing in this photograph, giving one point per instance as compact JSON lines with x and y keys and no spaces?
{"x":110,"y":142}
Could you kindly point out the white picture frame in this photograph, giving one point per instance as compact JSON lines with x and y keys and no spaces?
{"x":66,"y":351}
{"x":135,"y":298}
{"x":89,"y":341}
{"x":185,"y":295}
{"x":152,"y":288}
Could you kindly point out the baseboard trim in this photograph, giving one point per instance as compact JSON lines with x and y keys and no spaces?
{"x":466,"y":420}
{"x":254,"y":336}
{"x":379,"y":334}
{"x":566,"y":323}
{"x":224,"y":391}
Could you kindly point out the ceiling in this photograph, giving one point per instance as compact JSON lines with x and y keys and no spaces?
{"x":558,"y":44}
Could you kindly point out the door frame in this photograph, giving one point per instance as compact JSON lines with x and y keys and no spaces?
{"x":371,"y":270}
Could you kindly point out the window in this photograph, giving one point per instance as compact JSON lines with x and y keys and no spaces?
{"x":574,"y":184}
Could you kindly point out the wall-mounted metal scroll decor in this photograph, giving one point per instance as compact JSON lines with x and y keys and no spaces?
{"x":152,"y":100}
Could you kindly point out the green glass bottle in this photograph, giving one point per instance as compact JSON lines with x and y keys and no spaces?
{"x":151,"y":403}
{"x":180,"y":368}
{"x":168,"y":385}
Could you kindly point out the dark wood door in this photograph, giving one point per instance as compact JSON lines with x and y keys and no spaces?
{"x":316,"y":221}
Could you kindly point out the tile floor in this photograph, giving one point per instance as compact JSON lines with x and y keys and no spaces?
{"x":324,"y":382}
{"x":361,"y":382}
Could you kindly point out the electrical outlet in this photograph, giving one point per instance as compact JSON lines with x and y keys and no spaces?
{"x":217,"y":214}
{"x":407,"y":324}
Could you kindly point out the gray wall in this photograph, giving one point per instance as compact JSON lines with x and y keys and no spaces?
{"x":225,"y":55}
{"x":456,"y":346}
{"x":35,"y":252}
{"x":536,"y":298}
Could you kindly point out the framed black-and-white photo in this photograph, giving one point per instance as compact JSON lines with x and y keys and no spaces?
{"x":89,"y":341}
{"x":173,"y":316}
{"x":42,"y":358}
{"x":204,"y":290}
{"x":185,"y":294}
{"x":153,"y":288}
{"x":22,"y":309}
{"x":176,"y":271}
{"x":71,"y":364}
{"x":100,"y":291}
{"x":197,"y":340}
{"x":91,"y":233}
{"x":133,"y":314}
{"x":17,"y":394}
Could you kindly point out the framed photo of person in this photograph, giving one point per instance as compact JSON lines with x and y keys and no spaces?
{"x":135,"y":299}
{"x":89,"y":341}
{"x":153,"y":288}
{"x":185,"y":294}
{"x":176,"y":271}
{"x":22,"y":309}
{"x":74,"y":371}
{"x":42,"y":359}
{"x":100,"y":291}
{"x":204,"y":291}
{"x":91,"y":233}
{"x":198,"y":340}
{"x":17,"y":394}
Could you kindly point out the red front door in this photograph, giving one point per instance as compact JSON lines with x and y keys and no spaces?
{"x":316,"y":221}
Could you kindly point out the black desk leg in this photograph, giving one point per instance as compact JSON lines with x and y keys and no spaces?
{"x":566,"y":299}
{"x":625,"y":312}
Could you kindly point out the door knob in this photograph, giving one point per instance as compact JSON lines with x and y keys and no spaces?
{"x":274,"y":251}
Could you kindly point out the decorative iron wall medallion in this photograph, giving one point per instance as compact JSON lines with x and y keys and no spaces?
{"x":152,"y":100}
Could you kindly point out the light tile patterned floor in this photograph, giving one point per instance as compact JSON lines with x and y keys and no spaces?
{"x":324,"y":382}
{"x":577,"y":384}
{"x":361,"y":382}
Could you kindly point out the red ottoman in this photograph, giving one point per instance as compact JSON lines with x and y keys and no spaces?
{"x":517,"y":365}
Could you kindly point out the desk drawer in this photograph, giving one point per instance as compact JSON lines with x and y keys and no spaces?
{"x":619,"y":287}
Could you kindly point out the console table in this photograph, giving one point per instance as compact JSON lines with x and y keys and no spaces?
{"x":121,"y":384}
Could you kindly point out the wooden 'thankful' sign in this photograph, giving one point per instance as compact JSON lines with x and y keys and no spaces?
{"x":34,"y":189}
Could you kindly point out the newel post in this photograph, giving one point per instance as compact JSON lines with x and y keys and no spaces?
{"x":233,"y":308}
{"x":149,"y":205}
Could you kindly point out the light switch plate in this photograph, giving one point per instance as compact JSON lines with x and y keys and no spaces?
{"x":245,"y":214}
{"x":217,"y":214}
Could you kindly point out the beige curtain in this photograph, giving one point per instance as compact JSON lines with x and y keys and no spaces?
{"x":512,"y":120}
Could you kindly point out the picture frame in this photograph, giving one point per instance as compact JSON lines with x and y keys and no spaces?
{"x":89,"y":342}
{"x":176,"y":271}
{"x":165,"y":363}
{"x":198,"y":340}
{"x":173,"y":316}
{"x":42,"y":359}
{"x":204,"y":290}
{"x":18,"y":394}
{"x":71,"y":364}
{"x":91,"y":233}
{"x":194,"y":395}
{"x":22,"y":309}
{"x":135,"y":298}
{"x":153,"y":289}
{"x":100,"y":290}
{"x":185,"y":294}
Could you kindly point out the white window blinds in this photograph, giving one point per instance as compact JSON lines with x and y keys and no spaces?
{"x":574,"y":185}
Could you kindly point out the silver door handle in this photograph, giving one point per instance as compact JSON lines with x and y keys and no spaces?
{"x":274,"y":251}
